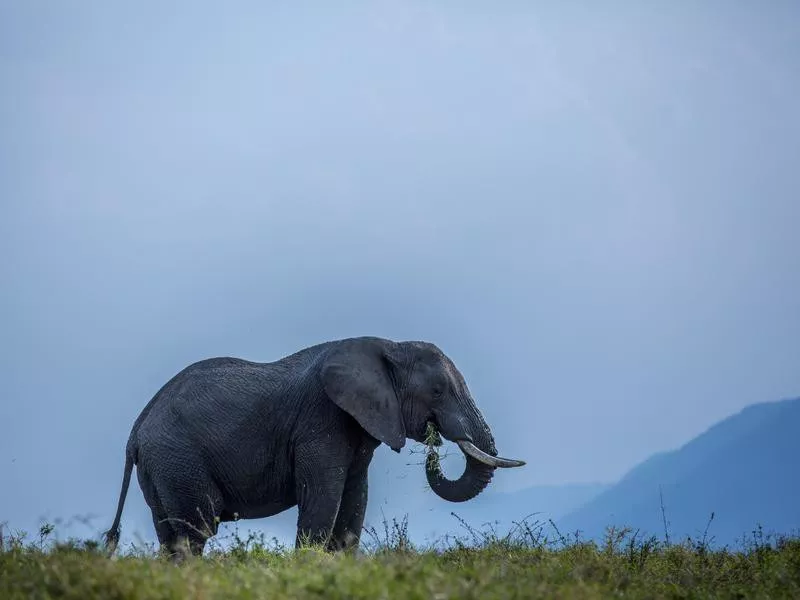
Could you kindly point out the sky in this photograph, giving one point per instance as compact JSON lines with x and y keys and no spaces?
{"x":591,"y":209}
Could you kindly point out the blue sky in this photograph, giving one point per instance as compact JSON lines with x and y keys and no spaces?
{"x":592,"y":210}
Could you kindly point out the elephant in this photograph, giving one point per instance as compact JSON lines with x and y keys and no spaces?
{"x":228,"y":438}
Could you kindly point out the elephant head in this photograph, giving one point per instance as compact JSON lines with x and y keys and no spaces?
{"x":395,"y":389}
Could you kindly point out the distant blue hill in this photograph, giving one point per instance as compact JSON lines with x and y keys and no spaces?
{"x":744,"y":469}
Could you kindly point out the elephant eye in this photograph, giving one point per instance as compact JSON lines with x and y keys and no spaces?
{"x":438,"y":391}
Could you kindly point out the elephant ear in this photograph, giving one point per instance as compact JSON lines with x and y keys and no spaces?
{"x":356,"y":377}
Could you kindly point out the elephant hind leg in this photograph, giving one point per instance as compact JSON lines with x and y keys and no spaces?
{"x":164,"y":530}
{"x":191,"y":515}
{"x":192,"y":525}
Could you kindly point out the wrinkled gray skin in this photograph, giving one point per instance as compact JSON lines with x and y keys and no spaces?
{"x":228,"y":438}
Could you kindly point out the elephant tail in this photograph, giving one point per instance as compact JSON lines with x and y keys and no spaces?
{"x":112,"y":535}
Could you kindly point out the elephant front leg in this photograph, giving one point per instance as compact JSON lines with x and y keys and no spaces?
{"x":350,"y":521}
{"x":319,"y":495}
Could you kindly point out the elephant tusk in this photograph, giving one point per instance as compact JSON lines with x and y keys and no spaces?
{"x":472,"y":450}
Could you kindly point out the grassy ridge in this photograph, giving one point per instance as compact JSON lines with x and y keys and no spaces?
{"x":519,"y":566}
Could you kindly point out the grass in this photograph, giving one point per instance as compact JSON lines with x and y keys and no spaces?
{"x":525,"y":562}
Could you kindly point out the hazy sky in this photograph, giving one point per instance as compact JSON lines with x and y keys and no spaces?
{"x":592,"y":210}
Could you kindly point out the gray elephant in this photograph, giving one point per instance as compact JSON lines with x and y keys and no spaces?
{"x":228,"y":438}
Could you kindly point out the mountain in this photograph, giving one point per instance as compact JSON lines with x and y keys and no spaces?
{"x":743,"y":469}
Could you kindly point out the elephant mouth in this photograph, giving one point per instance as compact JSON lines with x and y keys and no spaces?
{"x":430,"y":435}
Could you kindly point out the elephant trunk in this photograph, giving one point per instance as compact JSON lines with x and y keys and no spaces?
{"x":481,"y":458}
{"x":472,"y":482}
